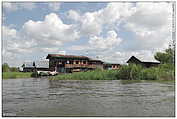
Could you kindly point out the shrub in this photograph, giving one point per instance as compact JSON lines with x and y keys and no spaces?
{"x":14,"y":69}
{"x":124,"y":72}
{"x":135,"y":72}
{"x":34,"y":74}
{"x":166,"y":71}
{"x":130,"y":72}
{"x":150,"y":74}
{"x":5,"y":67}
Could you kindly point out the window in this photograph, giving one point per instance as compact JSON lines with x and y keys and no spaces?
{"x":77,"y":62}
{"x":71,"y":62}
{"x":84,"y":62}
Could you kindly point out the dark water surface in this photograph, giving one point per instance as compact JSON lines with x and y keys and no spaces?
{"x":42,"y":97}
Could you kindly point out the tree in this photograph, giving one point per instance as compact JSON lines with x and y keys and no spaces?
{"x":5,"y":67}
{"x":166,"y":57}
{"x":14,"y":69}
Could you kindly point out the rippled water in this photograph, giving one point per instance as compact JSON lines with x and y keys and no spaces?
{"x":42,"y":97}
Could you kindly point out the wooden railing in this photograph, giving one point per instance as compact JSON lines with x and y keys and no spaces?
{"x":80,"y":66}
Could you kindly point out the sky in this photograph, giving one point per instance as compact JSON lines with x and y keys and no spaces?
{"x":109,"y":31}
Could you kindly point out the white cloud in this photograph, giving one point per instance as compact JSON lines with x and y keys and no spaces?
{"x":151,"y":24}
{"x":54,"y":6}
{"x":73,"y":15}
{"x":8,"y":32}
{"x":12,"y":45}
{"x":51,"y":31}
{"x":109,"y":42}
{"x":91,"y":23}
{"x":99,"y":43}
{"x":80,"y":47}
{"x":13,"y":6}
{"x":37,"y":37}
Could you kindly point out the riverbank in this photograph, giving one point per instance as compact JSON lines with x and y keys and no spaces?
{"x":14,"y":75}
{"x":126,"y":72}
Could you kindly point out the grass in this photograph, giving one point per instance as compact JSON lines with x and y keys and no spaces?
{"x":126,"y":72}
{"x":89,"y":75}
{"x":13,"y":75}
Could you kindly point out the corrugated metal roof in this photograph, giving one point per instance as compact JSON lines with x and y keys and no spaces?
{"x":38,"y":64}
{"x":42,"y":64}
{"x":146,"y":59}
{"x":95,"y":60}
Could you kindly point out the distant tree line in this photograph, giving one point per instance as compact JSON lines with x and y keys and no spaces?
{"x":6,"y":68}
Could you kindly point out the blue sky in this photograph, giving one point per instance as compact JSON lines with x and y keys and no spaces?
{"x":110,"y":31}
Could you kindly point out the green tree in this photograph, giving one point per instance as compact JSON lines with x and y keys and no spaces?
{"x":5,"y":67}
{"x":14,"y":69}
{"x":166,"y":57}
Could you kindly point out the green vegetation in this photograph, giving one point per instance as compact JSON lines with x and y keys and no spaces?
{"x":126,"y":72}
{"x":166,"y":57}
{"x":34,"y":74}
{"x":10,"y":75}
{"x":137,"y":72}
{"x":6,"y":68}
{"x":13,"y":72}
{"x":89,"y":75}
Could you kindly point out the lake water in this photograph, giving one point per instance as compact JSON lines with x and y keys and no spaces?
{"x":43,"y":97}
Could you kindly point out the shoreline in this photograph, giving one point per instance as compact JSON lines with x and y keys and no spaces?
{"x":130,"y":72}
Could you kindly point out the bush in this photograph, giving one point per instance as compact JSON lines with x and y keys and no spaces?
{"x":166,"y":71}
{"x":34,"y":74}
{"x":137,"y":72}
{"x":124,"y":72}
{"x":150,"y":74}
{"x":5,"y":67}
{"x":14,"y":69}
{"x":130,"y":72}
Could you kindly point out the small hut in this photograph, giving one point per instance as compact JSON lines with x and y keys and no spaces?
{"x":143,"y":61}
